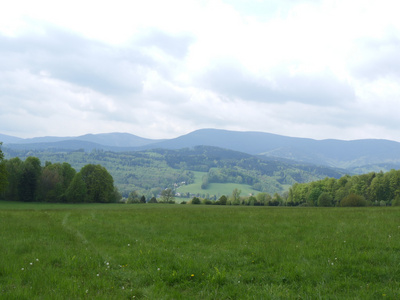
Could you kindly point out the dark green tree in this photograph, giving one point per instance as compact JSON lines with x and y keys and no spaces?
{"x":99,"y":184}
{"x":324,"y":199}
{"x":3,"y":172}
{"x":353,"y":200}
{"x":54,"y":181}
{"x":14,"y":168}
{"x":76,"y":191}
{"x":222,"y":200}
{"x":28,"y":183}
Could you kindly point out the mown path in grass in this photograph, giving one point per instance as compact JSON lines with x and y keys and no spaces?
{"x":198,"y":252}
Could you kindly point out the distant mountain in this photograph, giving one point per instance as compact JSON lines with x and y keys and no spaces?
{"x":367,"y":154}
{"x":9,"y":139}
{"x":88,"y":142}
{"x":334,"y":153}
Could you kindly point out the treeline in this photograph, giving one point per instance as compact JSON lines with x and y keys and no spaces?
{"x":358,"y":190}
{"x":29,"y":181}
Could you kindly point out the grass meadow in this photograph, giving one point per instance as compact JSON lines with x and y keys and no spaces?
{"x":120,"y":251}
{"x":217,"y":189}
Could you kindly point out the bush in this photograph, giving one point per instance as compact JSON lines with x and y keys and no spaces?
{"x":222,"y":200}
{"x":324,"y":199}
{"x":396,"y":201}
{"x":353,"y":200}
{"x":196,"y":200}
{"x":153,"y":200}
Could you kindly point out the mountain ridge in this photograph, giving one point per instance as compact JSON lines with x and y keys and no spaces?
{"x":329,"y":152}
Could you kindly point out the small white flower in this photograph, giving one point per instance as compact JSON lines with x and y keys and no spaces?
{"x":129,"y":245}
{"x":37,"y":259}
{"x":332,"y":264}
{"x":158,"y":269}
{"x":98,"y":275}
{"x":123,"y":288}
{"x":22,"y":269}
{"x":31,"y":264}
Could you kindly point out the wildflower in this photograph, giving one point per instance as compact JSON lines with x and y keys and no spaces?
{"x":158,"y":269}
{"x":31,"y":264}
{"x":22,"y":269}
{"x":192,"y":275}
{"x":98,"y":275}
{"x":37,"y":259}
{"x":129,"y":245}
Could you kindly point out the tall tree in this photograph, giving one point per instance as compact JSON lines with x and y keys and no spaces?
{"x":167,"y":196}
{"x":76,"y":191}
{"x":99,"y":184}
{"x":28,"y":183}
{"x":3,"y":172}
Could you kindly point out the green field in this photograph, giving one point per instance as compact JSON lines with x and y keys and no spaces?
{"x":217,"y":189}
{"x":119,"y":251}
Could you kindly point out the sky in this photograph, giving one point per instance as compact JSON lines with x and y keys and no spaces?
{"x":161,"y":69}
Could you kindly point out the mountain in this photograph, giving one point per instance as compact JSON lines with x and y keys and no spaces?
{"x":356,"y":155}
{"x":6,"y":139}
{"x":334,"y":153}
{"x":106,"y":141}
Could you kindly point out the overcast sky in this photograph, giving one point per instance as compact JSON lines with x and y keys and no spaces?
{"x":160,"y":69}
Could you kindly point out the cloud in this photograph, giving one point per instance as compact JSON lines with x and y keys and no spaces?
{"x":321,"y":89}
{"x":380,"y":58}
{"x":160,"y":69}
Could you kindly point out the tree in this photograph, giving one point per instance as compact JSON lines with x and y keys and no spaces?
{"x":222,"y":200}
{"x":28,"y":183}
{"x":353,"y":200}
{"x":196,"y":200}
{"x":99,"y":184}
{"x":204,"y":182}
{"x":3,"y":172}
{"x":167,"y":196}
{"x":236,"y":197}
{"x":14,"y":171}
{"x":76,"y":191}
{"x":54,"y":181}
{"x":133,"y":197}
{"x":325,"y":199}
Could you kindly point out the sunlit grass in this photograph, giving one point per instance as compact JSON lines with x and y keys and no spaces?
{"x":198,"y":252}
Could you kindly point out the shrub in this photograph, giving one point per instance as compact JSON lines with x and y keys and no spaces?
{"x":396,"y":201}
{"x":196,"y":200}
{"x":222,"y":200}
{"x":353,"y":200}
{"x":153,"y":200}
{"x":324,"y":199}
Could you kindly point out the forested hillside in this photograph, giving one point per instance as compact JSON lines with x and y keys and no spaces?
{"x":149,"y":172}
{"x":358,"y":190}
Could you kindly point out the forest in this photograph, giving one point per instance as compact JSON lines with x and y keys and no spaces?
{"x":29,"y":181}
{"x":378,"y":189}
{"x":159,"y":171}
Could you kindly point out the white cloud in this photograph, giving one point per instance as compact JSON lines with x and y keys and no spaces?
{"x":322,"y":69}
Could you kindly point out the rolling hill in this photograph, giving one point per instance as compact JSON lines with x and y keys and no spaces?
{"x":354,"y":156}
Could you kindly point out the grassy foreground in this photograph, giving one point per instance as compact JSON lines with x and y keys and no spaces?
{"x":198,"y":252}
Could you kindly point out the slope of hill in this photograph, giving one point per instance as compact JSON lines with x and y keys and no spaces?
{"x":151,"y":171}
{"x":366,"y":155}
{"x":100,"y":141}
